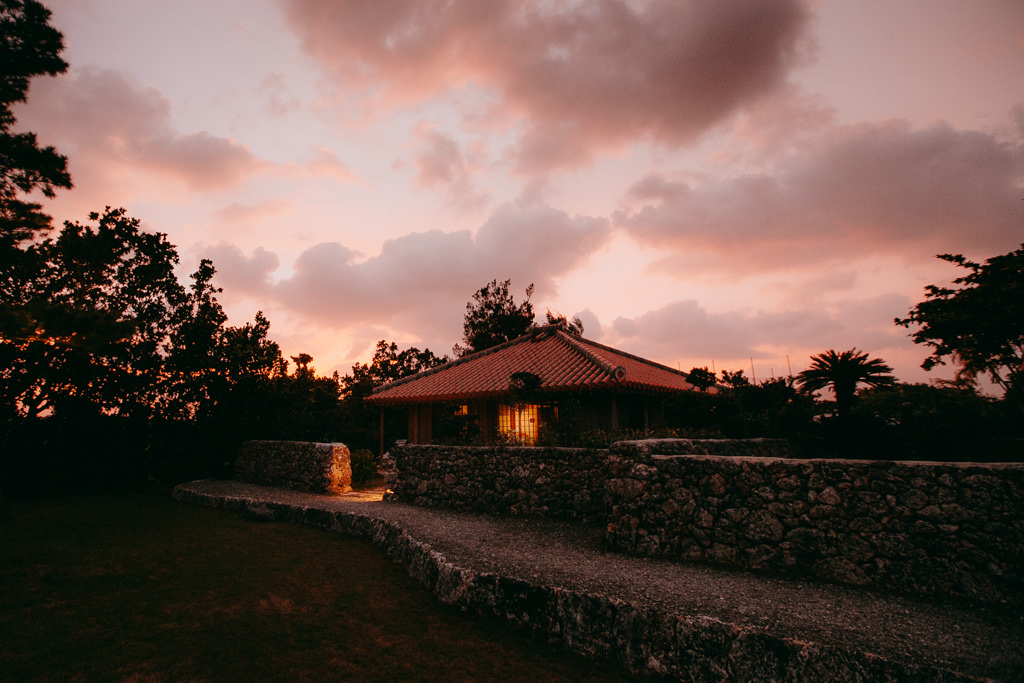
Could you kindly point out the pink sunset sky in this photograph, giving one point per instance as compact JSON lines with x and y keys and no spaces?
{"x":728,"y":183}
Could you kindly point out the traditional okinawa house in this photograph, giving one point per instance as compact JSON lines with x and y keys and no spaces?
{"x":546,"y":378}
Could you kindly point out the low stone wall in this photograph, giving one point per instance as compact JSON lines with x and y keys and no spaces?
{"x":558,"y":483}
{"x":684,"y":647}
{"x":922,"y":528}
{"x":930,"y":529}
{"x":296,"y":465}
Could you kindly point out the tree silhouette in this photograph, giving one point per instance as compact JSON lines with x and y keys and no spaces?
{"x":843,"y":372}
{"x":387,"y":365}
{"x":493,"y":318}
{"x":702,"y":378}
{"x":574,"y":326}
{"x":979,"y":325}
{"x":97,"y":311}
{"x":29,"y":47}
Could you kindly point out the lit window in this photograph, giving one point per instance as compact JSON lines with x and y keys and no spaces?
{"x":522,"y":422}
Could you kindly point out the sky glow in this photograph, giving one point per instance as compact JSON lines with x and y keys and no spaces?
{"x":702,"y":183}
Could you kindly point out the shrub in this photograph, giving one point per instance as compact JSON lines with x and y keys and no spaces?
{"x":364,"y":468}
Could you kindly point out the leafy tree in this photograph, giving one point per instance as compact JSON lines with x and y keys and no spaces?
{"x":305,"y":406}
{"x":843,"y":372}
{"x":29,"y":47}
{"x":741,"y":409}
{"x":978,"y":325}
{"x":388,"y":364}
{"x":702,"y":378}
{"x":97,"y":309}
{"x":251,"y":353}
{"x":574,"y":326}
{"x":493,"y":317}
{"x":735,"y":379}
{"x":196,"y":354}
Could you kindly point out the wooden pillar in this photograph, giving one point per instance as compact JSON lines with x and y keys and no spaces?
{"x":615,"y":416}
{"x":381,"y":451}
{"x":413,"y":423}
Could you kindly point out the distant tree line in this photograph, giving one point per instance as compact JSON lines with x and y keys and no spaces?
{"x":112,"y":372}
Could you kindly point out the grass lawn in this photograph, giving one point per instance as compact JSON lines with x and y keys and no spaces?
{"x":137,"y":587}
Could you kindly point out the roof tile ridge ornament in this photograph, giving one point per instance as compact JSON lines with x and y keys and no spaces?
{"x":616,"y":372}
{"x":458,"y":361}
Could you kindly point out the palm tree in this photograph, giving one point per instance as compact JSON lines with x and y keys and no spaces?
{"x":844,"y":372}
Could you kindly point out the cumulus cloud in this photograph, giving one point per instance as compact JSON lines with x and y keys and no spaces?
{"x":422,"y":281}
{"x":237,"y":272}
{"x":576,"y":78}
{"x":109,"y":125}
{"x":867,"y":188}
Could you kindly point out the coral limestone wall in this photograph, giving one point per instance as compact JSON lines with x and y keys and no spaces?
{"x":922,"y":528}
{"x":297,"y":465}
{"x":561,"y":483}
{"x":919,"y":528}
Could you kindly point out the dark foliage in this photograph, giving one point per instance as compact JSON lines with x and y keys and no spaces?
{"x":493,"y":317}
{"x":364,"y":468}
{"x":978,"y":325}
{"x":702,"y":378}
{"x":29,"y":47}
{"x":843,"y":372}
{"x":574,"y":326}
{"x":925,"y":422}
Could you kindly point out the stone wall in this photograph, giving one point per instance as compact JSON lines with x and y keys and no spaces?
{"x":921,"y":528}
{"x":296,"y":465}
{"x":559,"y":483}
{"x":911,"y":527}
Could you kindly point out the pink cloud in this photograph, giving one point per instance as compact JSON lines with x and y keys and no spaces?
{"x":868,"y":188}
{"x":238,"y":273}
{"x":422,"y":281}
{"x":111,"y":128}
{"x":581,"y":77}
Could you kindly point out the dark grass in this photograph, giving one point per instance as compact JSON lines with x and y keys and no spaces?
{"x":138,"y":587}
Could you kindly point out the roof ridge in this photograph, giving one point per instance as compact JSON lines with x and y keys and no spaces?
{"x":533,"y":332}
{"x":631,"y":356}
{"x":614,"y":372}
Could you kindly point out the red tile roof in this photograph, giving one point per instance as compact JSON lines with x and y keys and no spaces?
{"x":564,"y":362}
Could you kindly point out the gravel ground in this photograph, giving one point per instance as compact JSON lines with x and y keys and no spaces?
{"x":985,"y":641}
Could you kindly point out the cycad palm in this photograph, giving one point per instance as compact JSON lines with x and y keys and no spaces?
{"x":844,"y":372}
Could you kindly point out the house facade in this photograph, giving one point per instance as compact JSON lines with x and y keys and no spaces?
{"x":546,"y":379}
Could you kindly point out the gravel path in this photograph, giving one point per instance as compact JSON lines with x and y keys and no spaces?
{"x":984,"y":641}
